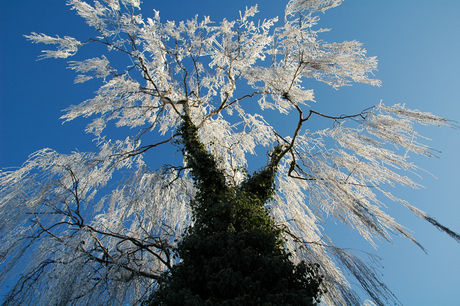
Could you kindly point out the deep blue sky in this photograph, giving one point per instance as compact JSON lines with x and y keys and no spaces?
{"x":417,"y":43}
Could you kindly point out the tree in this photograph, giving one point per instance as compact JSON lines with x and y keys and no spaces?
{"x":90,"y":245}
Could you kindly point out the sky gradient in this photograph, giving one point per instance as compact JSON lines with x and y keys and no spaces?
{"x":417,"y":44}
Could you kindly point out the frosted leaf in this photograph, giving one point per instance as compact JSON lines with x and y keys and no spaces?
{"x":416,"y":115}
{"x":67,"y":46}
{"x":251,"y":12}
{"x":310,"y":6}
{"x":94,"y":15}
{"x":82,"y":78}
{"x":113,"y":4}
{"x":134,"y":3}
{"x":99,"y":66}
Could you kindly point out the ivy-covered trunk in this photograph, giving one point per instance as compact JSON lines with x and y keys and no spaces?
{"x":233,"y":254}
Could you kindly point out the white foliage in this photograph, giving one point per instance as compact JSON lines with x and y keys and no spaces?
{"x":100,"y":67}
{"x":311,"y":6}
{"x":67,"y":46}
{"x":84,"y":240}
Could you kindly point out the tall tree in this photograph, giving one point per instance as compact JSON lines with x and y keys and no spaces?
{"x":69,"y":231}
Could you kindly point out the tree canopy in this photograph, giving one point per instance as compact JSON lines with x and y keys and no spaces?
{"x":68,"y":227}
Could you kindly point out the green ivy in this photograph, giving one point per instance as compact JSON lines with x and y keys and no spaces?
{"x":233,"y":254}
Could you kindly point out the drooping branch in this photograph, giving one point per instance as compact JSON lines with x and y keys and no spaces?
{"x":443,"y":228}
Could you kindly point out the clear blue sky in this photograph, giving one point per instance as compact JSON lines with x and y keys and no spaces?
{"x":417,"y":43}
